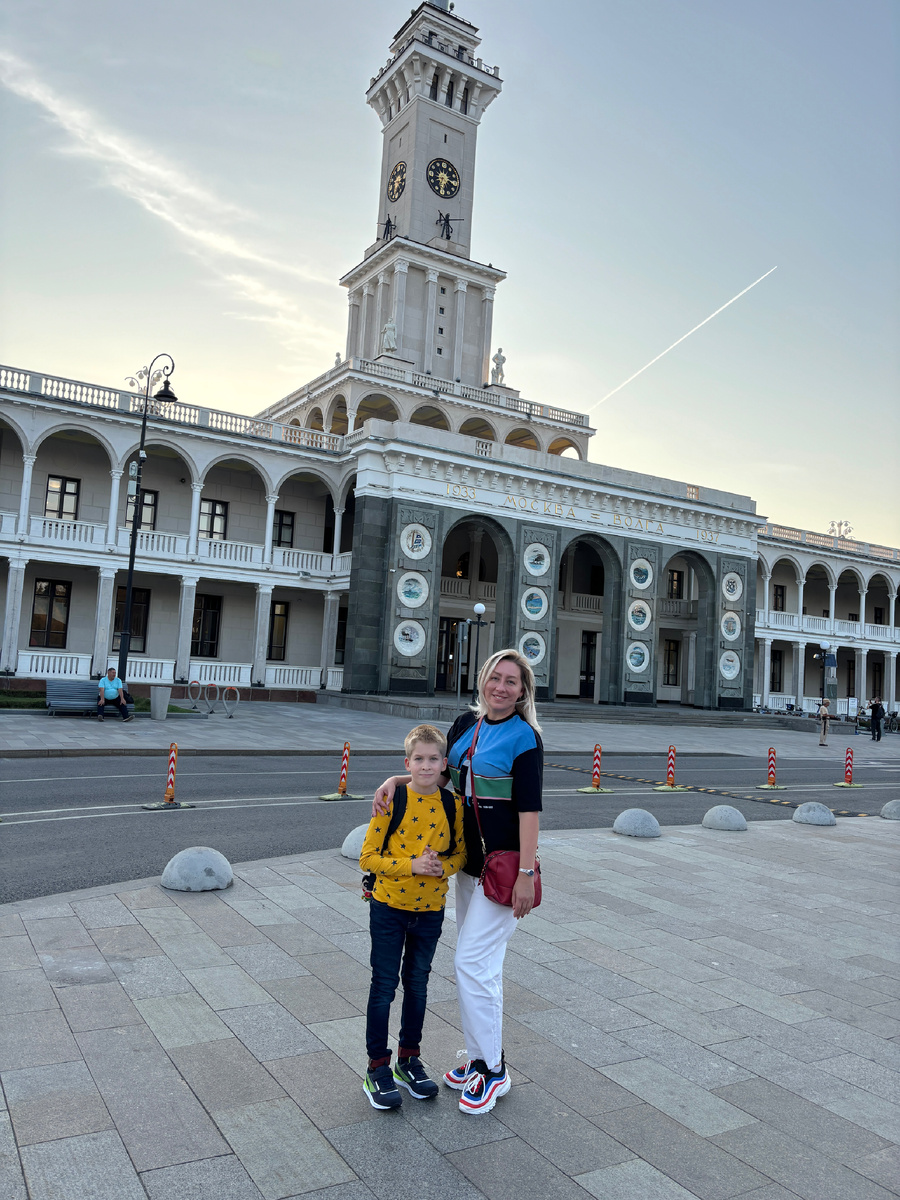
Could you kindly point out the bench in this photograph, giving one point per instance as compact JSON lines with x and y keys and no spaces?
{"x":74,"y":695}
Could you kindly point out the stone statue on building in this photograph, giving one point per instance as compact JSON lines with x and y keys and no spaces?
{"x":497,"y":374}
{"x":337,"y":359}
{"x":389,"y":337}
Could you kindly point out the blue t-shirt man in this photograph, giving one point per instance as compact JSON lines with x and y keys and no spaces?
{"x":112,"y":691}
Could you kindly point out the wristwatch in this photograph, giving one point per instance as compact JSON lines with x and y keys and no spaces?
{"x":526,"y":871}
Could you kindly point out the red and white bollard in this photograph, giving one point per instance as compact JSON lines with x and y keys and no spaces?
{"x":595,"y":774}
{"x":669,"y":785}
{"x":848,"y":772}
{"x":169,"y":797}
{"x":342,"y":793}
{"x":770,"y":784}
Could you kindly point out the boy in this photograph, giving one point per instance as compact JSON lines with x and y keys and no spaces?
{"x":410,"y":852}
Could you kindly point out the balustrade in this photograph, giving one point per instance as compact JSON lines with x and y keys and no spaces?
{"x":293,"y":677}
{"x":230,"y":552}
{"x":207,"y":671}
{"x":82,"y":533}
{"x":146,"y":670}
{"x":43,"y":664}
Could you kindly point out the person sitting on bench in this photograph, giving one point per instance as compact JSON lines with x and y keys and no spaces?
{"x":112,"y":691}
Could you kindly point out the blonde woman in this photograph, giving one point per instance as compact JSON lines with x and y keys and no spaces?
{"x":507,"y":766}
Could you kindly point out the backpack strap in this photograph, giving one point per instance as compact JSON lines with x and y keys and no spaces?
{"x":398,"y":810}
{"x":448,"y":800}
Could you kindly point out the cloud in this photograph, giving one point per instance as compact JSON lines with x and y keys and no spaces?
{"x":209,"y":226}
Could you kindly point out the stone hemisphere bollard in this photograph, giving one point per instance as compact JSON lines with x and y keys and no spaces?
{"x":724,"y":816}
{"x":814,"y":813}
{"x":891,"y":811}
{"x":353,"y":842}
{"x":637,"y":822}
{"x":197,"y":869}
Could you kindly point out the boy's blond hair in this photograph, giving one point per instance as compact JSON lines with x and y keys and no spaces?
{"x":427,"y":734}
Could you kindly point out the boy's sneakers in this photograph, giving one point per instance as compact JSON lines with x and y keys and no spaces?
{"x":457,"y":1077}
{"x":410,"y":1073}
{"x":380,"y":1088}
{"x":484,"y":1088}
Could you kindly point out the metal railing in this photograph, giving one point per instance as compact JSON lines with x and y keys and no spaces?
{"x":825,"y":541}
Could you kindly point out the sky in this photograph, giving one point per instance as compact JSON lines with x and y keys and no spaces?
{"x":194,"y":178}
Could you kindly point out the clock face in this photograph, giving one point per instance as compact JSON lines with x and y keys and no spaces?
{"x":443,"y":178}
{"x":397,"y":182}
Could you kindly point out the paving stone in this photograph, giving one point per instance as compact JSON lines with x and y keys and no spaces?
{"x":145,"y":977}
{"x":182,"y":1020}
{"x":12,"y":1182}
{"x":845,"y":1099}
{"x":337,"y":971}
{"x":295,"y":939}
{"x":793,"y":1040}
{"x":865,"y":1074}
{"x":227,"y":987}
{"x":268,"y":1031}
{"x":557,"y":1132}
{"x":224,"y":1074}
{"x":801,"y":1119}
{"x":97,"y":1006}
{"x":773,"y":1191}
{"x":280,"y":1149}
{"x":329,"y":1091}
{"x":632,"y":1181}
{"x":579,"y":1086}
{"x":125,"y":942}
{"x":11,"y":925}
{"x":78,"y":965}
{"x":25,"y":991}
{"x":668,"y":1091}
{"x":262,"y":912}
{"x":705,"y":1029}
{"x":707,"y":1171}
{"x":58,"y":933}
{"x":686,"y":1058}
{"x":106,"y":913}
{"x":167,"y":922}
{"x":54,"y":1102}
{"x":346,"y":1037}
{"x":35,"y":1039}
{"x":310,"y":1000}
{"x":838,"y":1037}
{"x":210,"y":1179}
{"x":92,"y":1167}
{"x":289,"y":897}
{"x":394,"y":1160}
{"x":17,"y":953}
{"x":215,"y":918}
{"x":497,"y":1171}
{"x":789,"y":1009}
{"x":593,"y":1047}
{"x":340,"y":1191}
{"x":265,"y":962}
{"x":441,"y":1123}
{"x":872,"y":1019}
{"x":797,"y":1166}
{"x":158,"y":1117}
{"x":148,"y":897}
{"x":882,"y":1167}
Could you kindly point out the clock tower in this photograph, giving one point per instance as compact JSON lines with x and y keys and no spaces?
{"x":417,"y":296}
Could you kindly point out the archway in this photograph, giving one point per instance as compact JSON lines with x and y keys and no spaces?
{"x":71,"y":479}
{"x":523,"y":438}
{"x":686,"y":635}
{"x":301,"y":514}
{"x":315,"y":420}
{"x":339,"y":423}
{"x":564,"y":447}
{"x":380,"y":408}
{"x":428,"y":414}
{"x":581,"y":585}
{"x":233,"y":503}
{"x":477,"y":427}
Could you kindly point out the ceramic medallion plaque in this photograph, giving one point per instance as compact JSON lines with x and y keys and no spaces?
{"x":637,"y":657}
{"x":730,"y":626}
{"x":537,"y":559}
{"x":639,"y":615}
{"x":641,"y":573}
{"x":412,"y":589}
{"x":533,"y":646}
{"x":409,"y":638}
{"x":729,"y":665}
{"x":415,"y":541}
{"x":534,"y":603}
{"x":732,"y":586}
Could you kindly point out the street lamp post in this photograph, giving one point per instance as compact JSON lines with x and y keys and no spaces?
{"x":479,"y":625}
{"x":165,"y":395}
{"x":824,"y":648}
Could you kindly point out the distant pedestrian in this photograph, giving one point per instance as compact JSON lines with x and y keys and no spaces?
{"x":824,"y":717}
{"x":112,"y":691}
{"x":876,"y":709}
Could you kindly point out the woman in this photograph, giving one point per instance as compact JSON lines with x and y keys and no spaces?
{"x":507,"y":774}
{"x":824,"y":717}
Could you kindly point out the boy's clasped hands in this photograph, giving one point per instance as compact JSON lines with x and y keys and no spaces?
{"x":428,"y":863}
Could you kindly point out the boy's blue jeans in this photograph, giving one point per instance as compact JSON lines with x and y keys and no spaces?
{"x":403,"y":945}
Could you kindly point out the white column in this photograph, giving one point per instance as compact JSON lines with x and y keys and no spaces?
{"x":863,"y":592}
{"x":487,"y":326}
{"x":459,"y":328}
{"x":329,"y":633}
{"x":890,"y":679}
{"x":689,"y":643}
{"x":379,"y":310}
{"x":363,"y":322}
{"x":338,"y":529}
{"x":798,"y":671}
{"x":15,"y":586}
{"x":860,"y":655}
{"x":271,"y":501}
{"x":832,"y":593}
{"x":261,"y":633}
{"x":25,"y":496}
{"x":800,"y":587}
{"x":113,"y":518}
{"x":401,"y":267}
{"x":352,"y":324}
{"x":767,"y":670}
{"x":431,"y":278}
{"x":106,"y":578}
{"x":194,"y":532}
{"x":892,"y":602}
{"x":185,"y":626}
{"x":766,"y":576}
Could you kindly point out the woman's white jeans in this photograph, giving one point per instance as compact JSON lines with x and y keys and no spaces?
{"x":483,"y":928}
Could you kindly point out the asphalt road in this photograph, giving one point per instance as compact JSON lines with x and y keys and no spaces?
{"x":77,"y":822}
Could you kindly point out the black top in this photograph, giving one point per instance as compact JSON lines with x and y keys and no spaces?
{"x":509,"y":770}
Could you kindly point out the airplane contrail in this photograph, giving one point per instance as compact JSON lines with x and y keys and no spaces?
{"x":680,"y":340}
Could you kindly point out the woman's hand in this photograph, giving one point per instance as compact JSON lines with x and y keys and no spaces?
{"x":523,"y":896}
{"x":385,"y":794}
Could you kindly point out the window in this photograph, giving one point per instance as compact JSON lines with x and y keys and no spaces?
{"x":779,"y":591}
{"x":440,"y":351}
{"x":432,"y":95}
{"x":340,"y":642}
{"x":62,"y":498}
{"x":851,"y":678}
{"x":440,"y":310}
{"x":852,"y":616}
{"x":283,"y":529}
{"x":214,"y":519}
{"x":776,"y":672}
{"x":448,"y":99}
{"x":445,"y":137}
{"x":149,"y":505}
{"x":50,"y":614}
{"x":278,"y":622}
{"x":140,"y":608}
{"x":693,"y":492}
{"x":464,"y":103}
{"x":671,"y":654}
{"x":443,"y":293}
{"x":205,"y":629}
{"x":825,"y":612}
{"x":877,"y":616}
{"x":440,"y":329}
{"x":675,"y":586}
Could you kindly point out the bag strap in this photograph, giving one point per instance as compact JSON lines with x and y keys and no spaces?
{"x":470,"y":782}
{"x":398,"y":809}
{"x":448,"y":800}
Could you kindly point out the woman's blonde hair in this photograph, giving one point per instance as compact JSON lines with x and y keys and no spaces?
{"x":525,"y":706}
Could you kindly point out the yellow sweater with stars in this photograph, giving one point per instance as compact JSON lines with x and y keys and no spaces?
{"x":424,"y":824}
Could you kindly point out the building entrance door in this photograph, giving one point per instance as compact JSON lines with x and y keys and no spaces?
{"x":588,"y":664}
{"x":451,"y":658}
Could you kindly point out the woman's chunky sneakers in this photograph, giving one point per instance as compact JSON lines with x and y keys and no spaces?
{"x":457,"y":1077}
{"x":483,"y":1087}
{"x":410,"y":1074}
